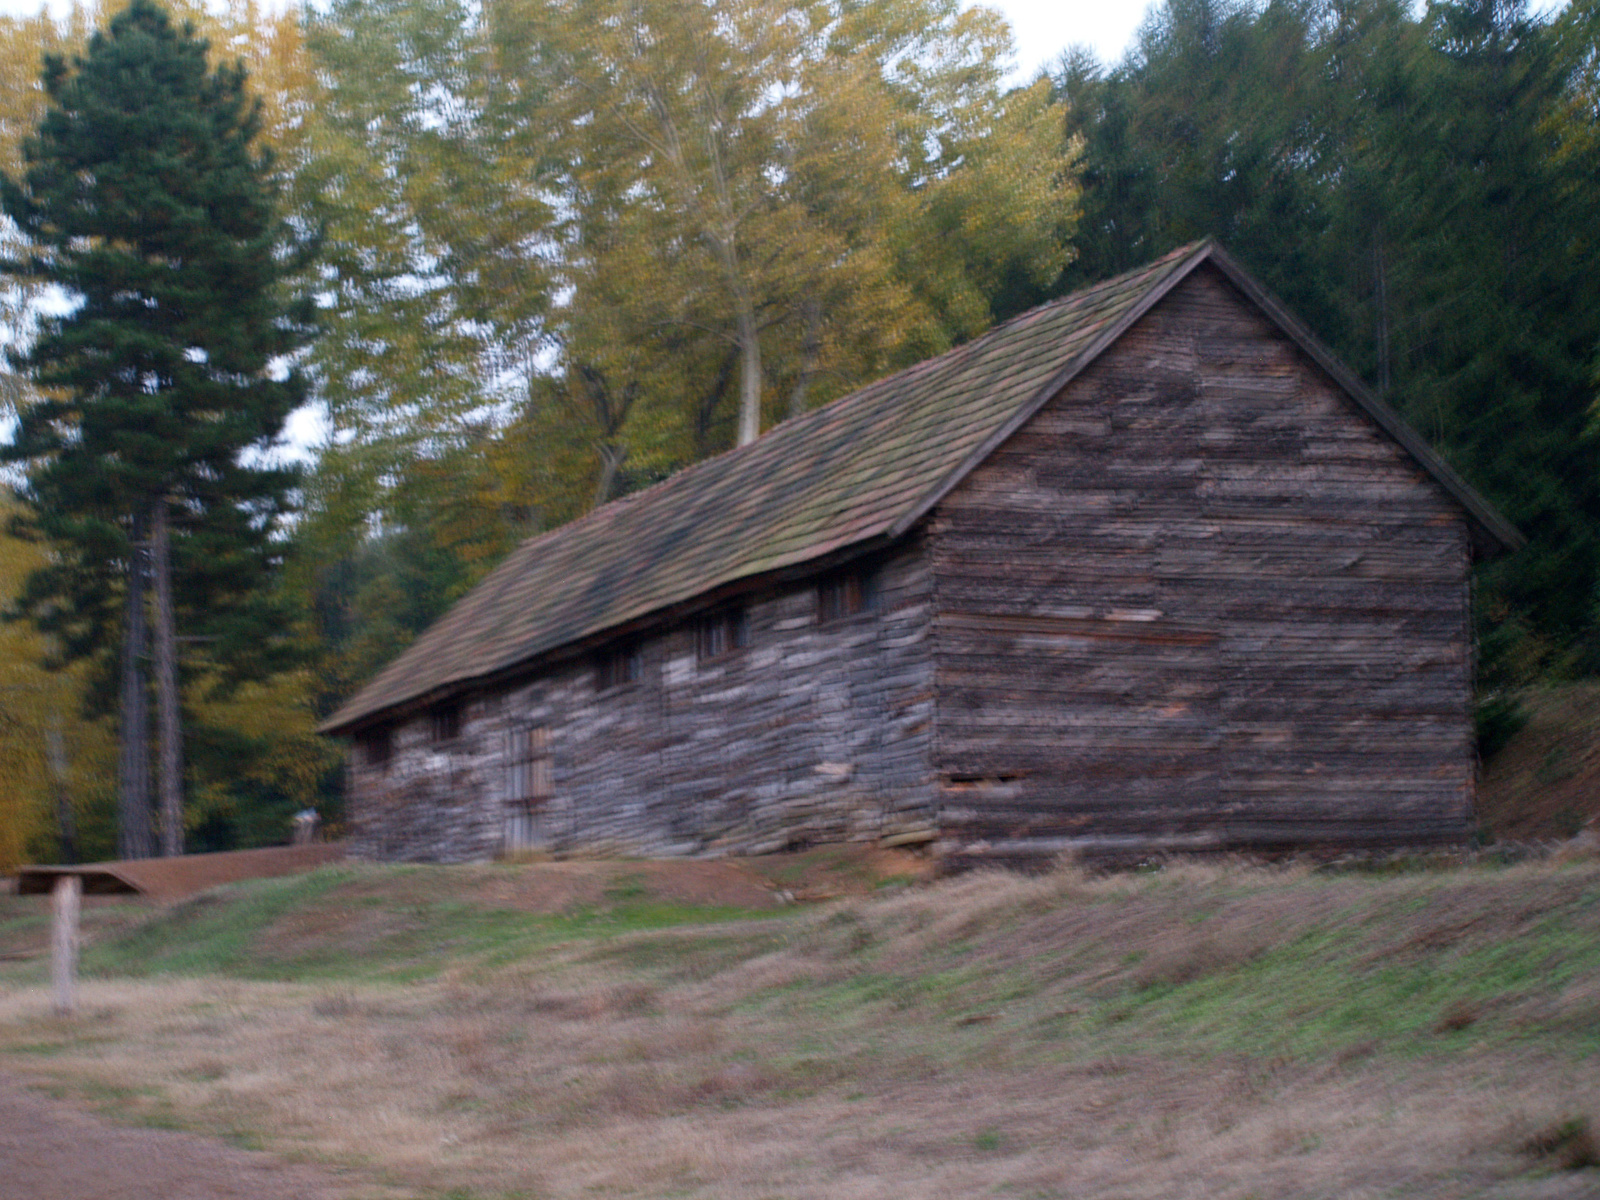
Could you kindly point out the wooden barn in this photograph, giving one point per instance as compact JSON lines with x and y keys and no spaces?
{"x":1143,"y":569}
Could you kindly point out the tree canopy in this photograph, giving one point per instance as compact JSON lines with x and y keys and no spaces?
{"x":533,"y":309}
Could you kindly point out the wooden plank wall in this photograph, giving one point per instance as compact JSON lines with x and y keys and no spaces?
{"x":812,"y":733}
{"x":1201,"y":601}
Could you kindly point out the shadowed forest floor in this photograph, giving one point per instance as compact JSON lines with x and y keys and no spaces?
{"x":1204,"y":1031}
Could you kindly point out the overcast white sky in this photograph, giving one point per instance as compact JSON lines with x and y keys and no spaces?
{"x":1044,"y":28}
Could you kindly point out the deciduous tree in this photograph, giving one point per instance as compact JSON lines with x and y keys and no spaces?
{"x":817,"y":190}
{"x":53,"y":759}
{"x":532,"y":312}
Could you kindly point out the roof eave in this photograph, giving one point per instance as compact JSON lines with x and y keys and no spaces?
{"x":1052,"y":387}
{"x":342,"y":725}
{"x":1492,"y":533}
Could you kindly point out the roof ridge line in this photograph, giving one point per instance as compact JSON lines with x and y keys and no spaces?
{"x":947,"y":358}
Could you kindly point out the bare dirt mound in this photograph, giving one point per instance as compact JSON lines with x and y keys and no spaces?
{"x":371,"y":908}
{"x":169,"y":879}
{"x":766,"y":881}
{"x":850,"y":869}
{"x":1545,"y":782}
{"x":51,"y":1151}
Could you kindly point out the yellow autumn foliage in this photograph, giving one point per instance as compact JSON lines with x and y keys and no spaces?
{"x":47,"y":748}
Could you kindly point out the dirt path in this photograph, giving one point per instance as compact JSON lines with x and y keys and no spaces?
{"x":51,"y":1151}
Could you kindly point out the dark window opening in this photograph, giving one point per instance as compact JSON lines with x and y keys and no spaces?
{"x":723,"y":633}
{"x":845,"y":595}
{"x":376,"y":747}
{"x":964,"y":780}
{"x":618,"y":666}
{"x":445,"y":723}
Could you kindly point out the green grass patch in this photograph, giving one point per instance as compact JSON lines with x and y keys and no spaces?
{"x":218,"y":932}
{"x":1328,"y":990}
{"x":1401,"y":967}
{"x":334,"y":925}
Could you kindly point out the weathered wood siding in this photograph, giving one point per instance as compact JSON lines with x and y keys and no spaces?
{"x":811,"y":733}
{"x":1201,"y":600}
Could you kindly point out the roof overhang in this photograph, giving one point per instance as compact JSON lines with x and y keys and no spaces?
{"x":1492,"y":534}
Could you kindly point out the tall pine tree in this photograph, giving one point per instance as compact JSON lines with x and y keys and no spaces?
{"x":145,"y":200}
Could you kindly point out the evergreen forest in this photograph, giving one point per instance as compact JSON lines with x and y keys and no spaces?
{"x":430,"y":276}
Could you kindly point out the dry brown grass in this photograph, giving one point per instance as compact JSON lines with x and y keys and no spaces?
{"x":949,"y":1041}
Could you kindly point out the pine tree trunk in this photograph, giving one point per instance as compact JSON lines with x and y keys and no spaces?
{"x":1380,"y":288}
{"x":170,"y":773}
{"x":66,"y":821}
{"x":133,"y":782}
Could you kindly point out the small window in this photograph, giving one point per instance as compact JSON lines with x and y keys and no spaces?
{"x":528,"y":759}
{"x":844,"y":595}
{"x":445,"y":723}
{"x":722,"y":633}
{"x":376,"y":745}
{"x":617,"y":666}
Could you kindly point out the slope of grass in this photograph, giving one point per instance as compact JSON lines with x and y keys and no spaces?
{"x":1544,"y":782}
{"x":400,"y":924}
{"x":1304,"y":968}
{"x":1203,"y":1030}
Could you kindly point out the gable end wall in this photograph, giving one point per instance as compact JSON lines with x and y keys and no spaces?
{"x":1201,"y":601}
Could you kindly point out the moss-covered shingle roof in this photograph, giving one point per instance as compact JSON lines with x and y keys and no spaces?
{"x":863,"y":469}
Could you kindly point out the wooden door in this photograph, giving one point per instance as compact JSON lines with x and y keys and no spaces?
{"x":526,"y":826}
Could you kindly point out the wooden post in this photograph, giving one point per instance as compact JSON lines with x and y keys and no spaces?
{"x":64,"y":943}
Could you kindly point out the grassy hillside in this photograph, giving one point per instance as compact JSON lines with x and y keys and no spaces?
{"x":1545,"y":782}
{"x":1199,"y":1031}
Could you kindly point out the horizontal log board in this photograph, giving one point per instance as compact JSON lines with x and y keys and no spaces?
{"x":1201,"y":590}
{"x":997,"y":737}
{"x":1336,"y":599}
{"x":1108,"y":777}
{"x":984,"y":656}
{"x":986,"y":844}
{"x":1154,"y":811}
{"x":1136,"y":819}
